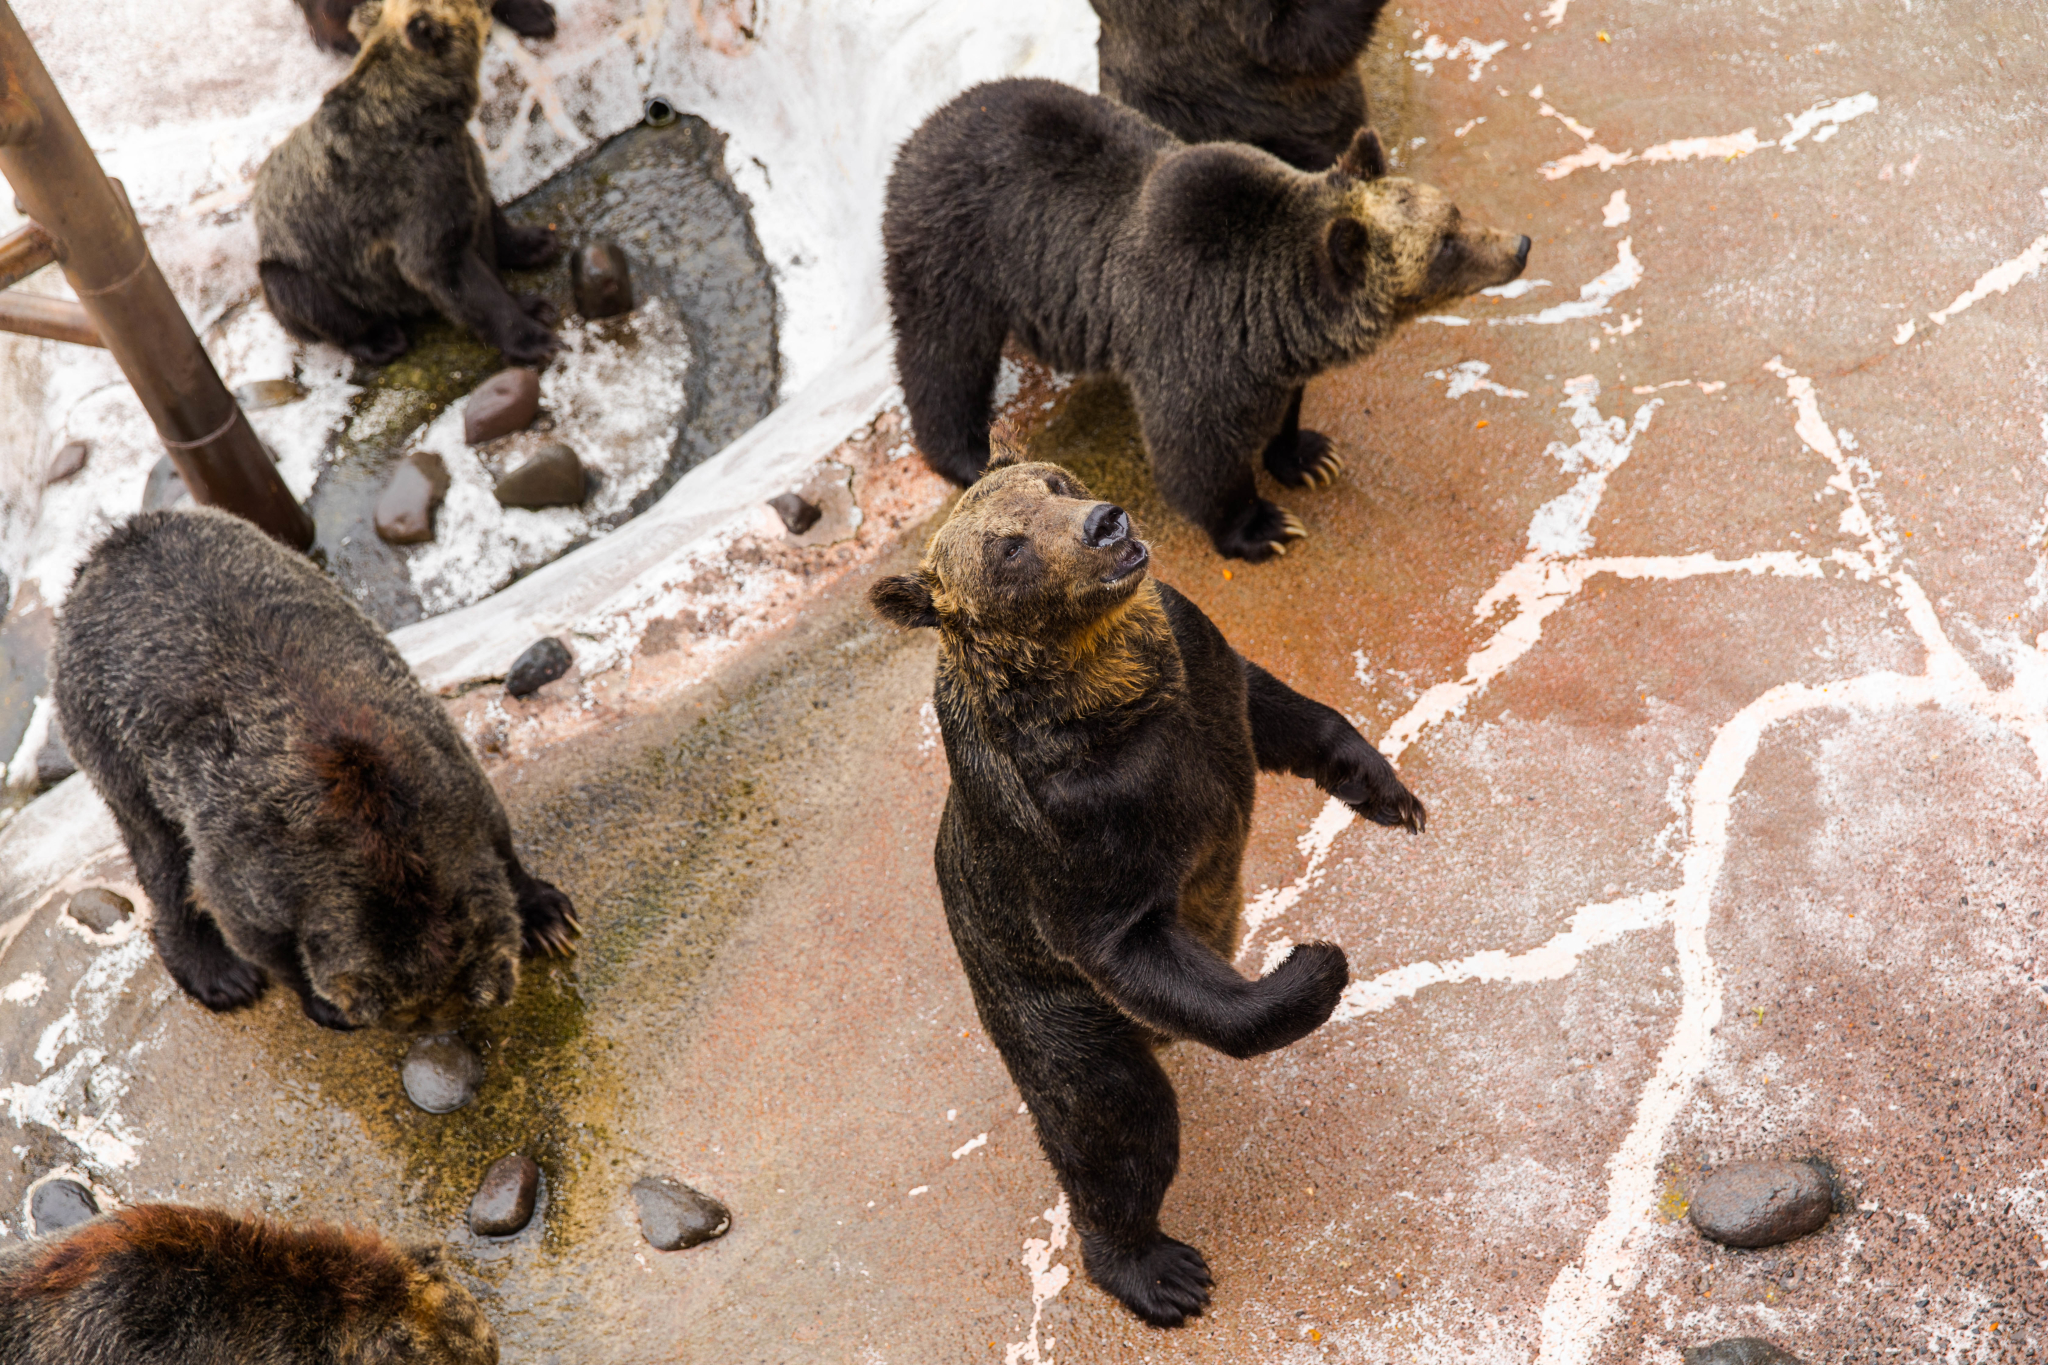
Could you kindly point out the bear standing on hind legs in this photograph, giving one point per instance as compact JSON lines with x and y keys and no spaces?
{"x":377,"y":208}
{"x":1214,"y":280}
{"x":1104,"y":741}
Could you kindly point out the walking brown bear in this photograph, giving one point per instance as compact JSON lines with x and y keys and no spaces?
{"x":167,"y":1284}
{"x":1215,"y":280}
{"x":328,"y":19}
{"x":1104,"y":741}
{"x":377,"y":208}
{"x":298,"y":807}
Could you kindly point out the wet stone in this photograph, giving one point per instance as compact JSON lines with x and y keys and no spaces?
{"x":506,"y":402}
{"x":543,"y":661}
{"x":69,"y":459}
{"x":442,"y":1073}
{"x":552,"y":478}
{"x":61,"y":1204}
{"x":405,"y":509}
{"x":504,"y":1201}
{"x":165,"y":487}
{"x":99,"y":909}
{"x":674,"y":1217}
{"x":798,"y":513}
{"x":1762,"y":1203}
{"x":1739,"y":1351}
{"x":602,"y":279}
{"x":269,"y":393}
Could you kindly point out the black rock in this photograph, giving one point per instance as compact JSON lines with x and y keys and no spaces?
{"x":1762,"y":1203}
{"x":506,"y":402}
{"x":797,"y":514}
{"x":673,"y":1216}
{"x":602,"y":279}
{"x":99,"y":909}
{"x":442,"y":1074}
{"x":1739,"y":1351}
{"x":504,"y":1201}
{"x":165,"y":487}
{"x":69,"y":459}
{"x":554,"y":477}
{"x":545,"y":660}
{"x":61,"y":1204}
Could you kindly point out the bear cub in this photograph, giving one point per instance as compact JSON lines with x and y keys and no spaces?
{"x":168,"y":1284}
{"x":298,"y":808}
{"x":1105,"y":741}
{"x":377,"y":208}
{"x":1215,"y":280}
{"x":1283,"y":77}
{"x":328,"y":19}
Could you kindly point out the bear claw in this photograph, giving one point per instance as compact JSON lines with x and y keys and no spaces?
{"x":1303,"y":459}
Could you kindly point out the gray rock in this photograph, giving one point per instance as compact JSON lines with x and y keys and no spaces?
{"x":99,"y":909}
{"x":69,"y":459}
{"x":61,"y":1204}
{"x":504,"y":1201}
{"x":506,"y":402}
{"x":603,"y":280}
{"x":442,"y":1073}
{"x":798,"y":513}
{"x":1739,"y":1351}
{"x":269,"y":393}
{"x":674,"y":1217}
{"x":552,"y":478}
{"x":165,"y":487}
{"x":53,"y":761}
{"x":545,"y":660}
{"x":1762,"y":1203}
{"x":405,"y":509}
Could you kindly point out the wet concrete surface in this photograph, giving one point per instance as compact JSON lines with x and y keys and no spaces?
{"x":1712,"y":644}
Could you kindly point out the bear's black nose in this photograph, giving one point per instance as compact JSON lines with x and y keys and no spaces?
{"x":1106,"y":525}
{"x":1522,"y":254}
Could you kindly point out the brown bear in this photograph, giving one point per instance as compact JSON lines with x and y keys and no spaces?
{"x":1215,"y":280}
{"x":298,"y":807}
{"x":377,"y":208}
{"x":328,"y":19}
{"x":167,"y":1284}
{"x":1104,"y":741}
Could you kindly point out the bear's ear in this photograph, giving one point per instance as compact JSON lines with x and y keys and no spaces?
{"x":428,"y":35}
{"x":365,"y":18}
{"x":905,"y":600}
{"x":1005,"y":446}
{"x":1346,"y":245}
{"x":1365,"y":158}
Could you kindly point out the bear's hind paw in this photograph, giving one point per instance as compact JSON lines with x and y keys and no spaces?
{"x":1165,"y":1283}
{"x":1260,"y":532}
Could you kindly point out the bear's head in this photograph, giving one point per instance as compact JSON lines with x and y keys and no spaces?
{"x":441,"y":1323}
{"x":450,"y":32}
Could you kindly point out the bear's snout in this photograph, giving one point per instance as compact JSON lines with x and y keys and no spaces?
{"x":1106,"y":525}
{"x":1522,"y":254}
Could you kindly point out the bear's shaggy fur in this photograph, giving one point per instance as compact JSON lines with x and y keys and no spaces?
{"x":167,"y":1284}
{"x":296,"y":804}
{"x":329,"y":20}
{"x":1281,"y":76}
{"x":377,"y":209}
{"x":1215,"y":280}
{"x":1104,"y":741}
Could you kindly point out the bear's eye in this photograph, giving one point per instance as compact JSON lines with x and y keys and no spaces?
{"x":1012,"y":548}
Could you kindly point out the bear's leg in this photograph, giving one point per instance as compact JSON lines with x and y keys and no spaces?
{"x":467,"y":289}
{"x":310,"y":311}
{"x":1301,"y":459}
{"x":527,"y":18}
{"x":1202,"y":460}
{"x":186,"y":937}
{"x":521,"y":248}
{"x":948,"y":357}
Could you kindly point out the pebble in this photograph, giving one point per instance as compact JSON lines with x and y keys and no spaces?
{"x":442,"y":1073}
{"x":543,"y":661}
{"x":1739,"y":1351}
{"x":1762,"y":1203}
{"x":405,"y":509}
{"x":506,"y":402}
{"x":99,"y":909}
{"x":61,"y":1204}
{"x":165,"y":486}
{"x":602,"y":279}
{"x":504,"y":1201}
{"x":552,"y":478}
{"x":797,"y":512}
{"x":69,"y":459}
{"x":674,"y":1217}
{"x":269,"y":393}
{"x":53,"y":762}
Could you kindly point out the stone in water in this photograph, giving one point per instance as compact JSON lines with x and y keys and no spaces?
{"x":504,"y":1201}
{"x":1762,"y":1203}
{"x":602,"y":279}
{"x":552,"y":478}
{"x":405,"y":509}
{"x":506,"y":402}
{"x":545,"y":660}
{"x":442,"y":1073}
{"x":673,"y":1216}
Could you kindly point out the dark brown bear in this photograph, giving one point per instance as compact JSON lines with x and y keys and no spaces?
{"x":164,"y":1284}
{"x":377,"y":208}
{"x":1279,"y":74}
{"x":1215,"y":280}
{"x":1104,"y":741}
{"x":297,"y":806}
{"x":329,"y":20}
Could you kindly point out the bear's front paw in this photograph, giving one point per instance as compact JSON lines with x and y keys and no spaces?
{"x":1303,"y":459}
{"x":1366,"y":783}
{"x":325,"y":1014}
{"x":523,"y":248}
{"x":1259,"y":532}
{"x":532,"y":346}
{"x":548,"y":919}
{"x":222,"y":982}
{"x":1165,"y":1283}
{"x":381,"y":345}
{"x":540,"y":308}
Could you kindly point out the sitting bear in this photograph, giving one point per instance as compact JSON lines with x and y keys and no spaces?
{"x":167,"y":1284}
{"x":297,"y":806}
{"x":1279,"y":76}
{"x":329,"y":20}
{"x":1215,"y":280}
{"x":376,"y":208}
{"x":1104,"y":741}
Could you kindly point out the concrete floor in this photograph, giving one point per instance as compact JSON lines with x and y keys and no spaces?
{"x":1707,"y":624}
